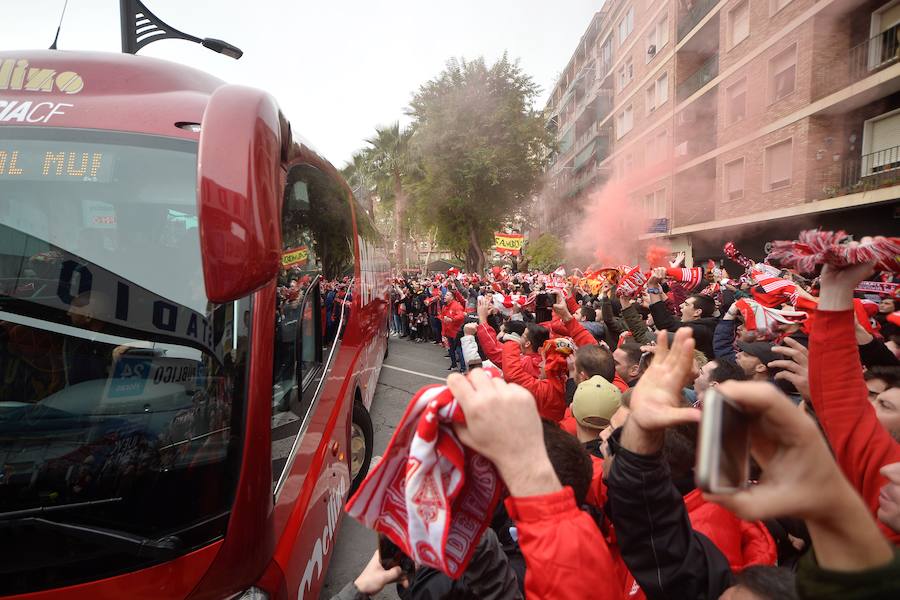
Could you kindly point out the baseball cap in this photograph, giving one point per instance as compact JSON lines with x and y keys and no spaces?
{"x":595,"y":402}
{"x":761,"y":350}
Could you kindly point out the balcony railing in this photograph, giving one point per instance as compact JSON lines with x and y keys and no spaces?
{"x":698,"y":10}
{"x":867,"y":172}
{"x":706,"y":73}
{"x":874,"y":54}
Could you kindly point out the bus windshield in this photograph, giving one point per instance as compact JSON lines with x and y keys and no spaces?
{"x":121,"y":385}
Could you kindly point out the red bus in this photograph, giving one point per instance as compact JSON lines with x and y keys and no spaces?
{"x":193,"y":317}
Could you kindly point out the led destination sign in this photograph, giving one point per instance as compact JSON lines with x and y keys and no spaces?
{"x":55,"y":161}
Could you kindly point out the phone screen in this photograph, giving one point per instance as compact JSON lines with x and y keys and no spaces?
{"x":723,"y":457}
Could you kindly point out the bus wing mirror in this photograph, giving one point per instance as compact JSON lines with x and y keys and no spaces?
{"x":239,"y":183}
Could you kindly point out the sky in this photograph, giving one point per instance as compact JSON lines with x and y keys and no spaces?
{"x":337,"y":68}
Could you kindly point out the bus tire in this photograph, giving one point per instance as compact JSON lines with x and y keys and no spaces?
{"x":361,"y":432}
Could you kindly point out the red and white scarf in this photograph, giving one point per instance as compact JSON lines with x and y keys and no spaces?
{"x":772,"y":291}
{"x":429,"y":494}
{"x":761,"y":318}
{"x":816,"y":247}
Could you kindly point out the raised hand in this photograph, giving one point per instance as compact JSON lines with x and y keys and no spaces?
{"x":801,"y":479}
{"x":678,"y":260}
{"x":795,"y":365}
{"x":516,"y":448}
{"x":657,"y":402}
{"x":483,"y":308}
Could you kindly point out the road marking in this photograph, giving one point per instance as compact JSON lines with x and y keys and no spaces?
{"x":426,"y":375}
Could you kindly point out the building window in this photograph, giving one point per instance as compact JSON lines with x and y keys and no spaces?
{"x":776,"y":5}
{"x":655,"y":205}
{"x":662,"y":89}
{"x":651,"y":99}
{"x":736,"y":102}
{"x":624,"y":121}
{"x":783,"y":74}
{"x":626,"y":25}
{"x":778,"y":165}
{"x":626,"y":74}
{"x":658,"y":37}
{"x":606,"y":55}
{"x":881,"y":143}
{"x":738,"y":23}
{"x":734,"y":180}
{"x":657,"y":147}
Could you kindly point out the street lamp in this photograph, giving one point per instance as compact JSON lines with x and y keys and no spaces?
{"x":141,"y":27}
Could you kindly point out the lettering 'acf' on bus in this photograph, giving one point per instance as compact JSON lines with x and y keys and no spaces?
{"x":129,"y":395}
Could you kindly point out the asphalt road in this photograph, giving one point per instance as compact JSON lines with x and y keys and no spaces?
{"x":409,"y":366}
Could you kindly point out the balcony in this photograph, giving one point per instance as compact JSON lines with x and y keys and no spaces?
{"x":689,"y":19}
{"x":706,"y":73}
{"x":867,"y":172}
{"x":875,"y":54}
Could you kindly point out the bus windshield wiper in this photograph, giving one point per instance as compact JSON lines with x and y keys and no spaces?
{"x":43,"y":510}
{"x":141,"y":546}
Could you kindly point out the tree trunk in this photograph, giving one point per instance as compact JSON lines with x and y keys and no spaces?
{"x":431,"y":241}
{"x":474,"y":256}
{"x":400,"y":220}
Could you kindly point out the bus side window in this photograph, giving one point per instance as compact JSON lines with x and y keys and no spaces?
{"x":314,"y":296}
{"x":298,"y":320}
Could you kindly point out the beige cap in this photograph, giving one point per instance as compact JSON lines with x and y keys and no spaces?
{"x":595,"y":402}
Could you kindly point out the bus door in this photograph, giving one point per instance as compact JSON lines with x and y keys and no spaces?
{"x":311,"y":395}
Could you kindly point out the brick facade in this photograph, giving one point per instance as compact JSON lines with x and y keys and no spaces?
{"x":811,"y":73}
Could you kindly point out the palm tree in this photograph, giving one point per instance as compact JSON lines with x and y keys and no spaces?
{"x":390,"y":163}
{"x":356,"y":172}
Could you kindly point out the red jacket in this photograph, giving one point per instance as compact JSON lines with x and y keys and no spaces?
{"x":565,"y":553}
{"x":860,"y":443}
{"x":550,"y":393}
{"x":744,"y":543}
{"x":493,"y":349}
{"x":457,"y":315}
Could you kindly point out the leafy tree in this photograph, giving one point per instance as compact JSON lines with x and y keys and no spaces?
{"x":482,"y":147}
{"x":546,"y":253}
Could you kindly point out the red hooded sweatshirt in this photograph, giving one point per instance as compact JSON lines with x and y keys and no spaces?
{"x":840,"y":398}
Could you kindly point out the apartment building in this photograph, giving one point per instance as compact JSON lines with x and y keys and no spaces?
{"x":742,"y":120}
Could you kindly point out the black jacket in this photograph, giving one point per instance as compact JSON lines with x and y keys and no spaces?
{"x":704,"y":328}
{"x":667,"y":558}
{"x":488,"y":576}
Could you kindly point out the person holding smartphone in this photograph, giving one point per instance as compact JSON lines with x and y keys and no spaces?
{"x":656,"y":539}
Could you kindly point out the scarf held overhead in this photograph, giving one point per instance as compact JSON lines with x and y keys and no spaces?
{"x":429,"y":494}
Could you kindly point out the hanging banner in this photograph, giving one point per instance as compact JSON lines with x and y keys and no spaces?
{"x":508,"y":243}
{"x":295,"y":257}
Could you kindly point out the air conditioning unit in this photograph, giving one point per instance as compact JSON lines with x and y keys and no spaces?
{"x":652,"y":50}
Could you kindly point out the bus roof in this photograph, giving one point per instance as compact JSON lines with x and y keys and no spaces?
{"x":102,"y":90}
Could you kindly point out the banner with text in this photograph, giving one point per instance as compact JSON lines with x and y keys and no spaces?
{"x":878,"y":287}
{"x":295,"y":257}
{"x":508,"y":243}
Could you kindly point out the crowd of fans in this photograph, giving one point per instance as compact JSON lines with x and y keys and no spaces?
{"x":610,"y":369}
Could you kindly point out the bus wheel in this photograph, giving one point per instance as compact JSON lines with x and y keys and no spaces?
{"x":361,"y":445}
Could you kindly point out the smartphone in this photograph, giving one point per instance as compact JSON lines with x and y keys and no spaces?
{"x":391,"y":556}
{"x":723,"y":454}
